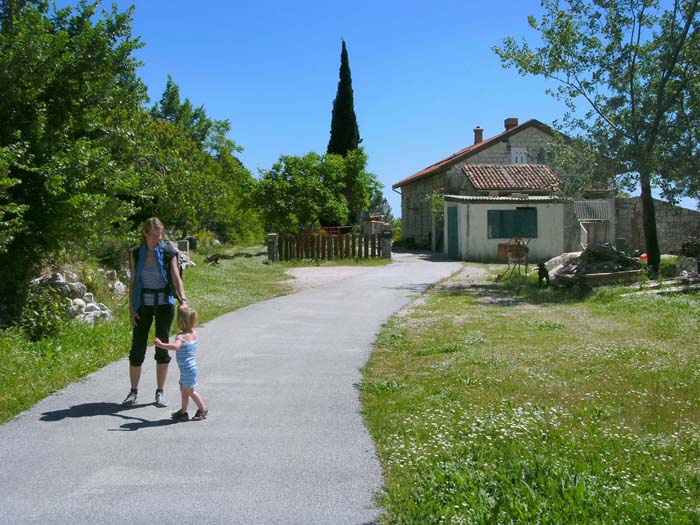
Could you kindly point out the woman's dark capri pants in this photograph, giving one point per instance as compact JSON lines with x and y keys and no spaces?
{"x":163,"y":315}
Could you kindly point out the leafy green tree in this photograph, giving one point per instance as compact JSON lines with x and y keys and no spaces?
{"x":11,"y":213}
{"x":636,"y":66}
{"x":345,"y":135}
{"x":193,"y":179}
{"x":310,"y":190}
{"x":361,"y":186}
{"x":302,"y":191}
{"x":70,"y":98}
{"x":194,"y":122}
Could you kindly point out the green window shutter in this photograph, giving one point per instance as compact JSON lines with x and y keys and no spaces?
{"x":493,"y":224}
{"x":526,"y":222}
{"x":504,"y":224}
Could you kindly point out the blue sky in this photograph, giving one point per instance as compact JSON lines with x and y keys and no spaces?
{"x":423,"y":73}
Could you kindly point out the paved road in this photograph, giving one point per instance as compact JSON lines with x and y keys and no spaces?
{"x":284,"y":443}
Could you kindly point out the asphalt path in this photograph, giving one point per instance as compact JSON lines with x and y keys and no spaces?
{"x":284,"y":443}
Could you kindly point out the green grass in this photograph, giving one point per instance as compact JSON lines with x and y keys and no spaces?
{"x":546,"y":406}
{"x":33,"y":370}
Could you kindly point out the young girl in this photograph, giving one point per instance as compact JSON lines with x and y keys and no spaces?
{"x":185,"y":346}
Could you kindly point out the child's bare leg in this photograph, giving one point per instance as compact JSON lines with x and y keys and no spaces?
{"x":197,"y":400}
{"x":185,"y":397}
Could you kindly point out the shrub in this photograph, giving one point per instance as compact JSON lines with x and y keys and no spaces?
{"x":113,"y":252}
{"x":43,"y":313}
{"x":667,"y":267}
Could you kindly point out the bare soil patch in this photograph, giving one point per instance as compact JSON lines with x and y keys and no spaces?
{"x":312,"y":276}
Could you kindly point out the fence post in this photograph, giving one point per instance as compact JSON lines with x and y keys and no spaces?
{"x":273,"y":247}
{"x":387,"y":236}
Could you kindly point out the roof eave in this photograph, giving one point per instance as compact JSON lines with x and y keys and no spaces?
{"x":471,"y":151}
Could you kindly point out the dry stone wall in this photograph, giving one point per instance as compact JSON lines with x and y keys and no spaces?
{"x":673,"y":224}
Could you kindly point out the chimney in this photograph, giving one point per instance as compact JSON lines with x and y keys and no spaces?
{"x":478,"y":135}
{"x":510,"y":123}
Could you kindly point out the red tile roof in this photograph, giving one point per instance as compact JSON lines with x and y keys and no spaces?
{"x":470,"y":151}
{"x":511,"y":177}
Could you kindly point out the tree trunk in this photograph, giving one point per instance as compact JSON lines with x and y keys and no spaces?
{"x":649,"y":224}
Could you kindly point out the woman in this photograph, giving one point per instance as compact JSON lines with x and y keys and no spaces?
{"x":155,"y":280}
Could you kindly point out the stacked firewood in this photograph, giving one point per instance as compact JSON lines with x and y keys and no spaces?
{"x":597,"y":258}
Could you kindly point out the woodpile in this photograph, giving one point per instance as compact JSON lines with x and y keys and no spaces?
{"x":598,"y":264}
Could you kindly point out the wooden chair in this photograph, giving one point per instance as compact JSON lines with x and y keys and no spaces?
{"x":517,"y":254}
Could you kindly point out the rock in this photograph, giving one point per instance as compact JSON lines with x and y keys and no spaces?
{"x":117,"y":287}
{"x":73,"y":311}
{"x":80,"y":303}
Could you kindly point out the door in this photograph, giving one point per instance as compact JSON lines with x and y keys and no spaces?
{"x":452,"y":233}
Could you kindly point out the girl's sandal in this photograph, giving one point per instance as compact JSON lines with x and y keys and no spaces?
{"x":180,"y":415}
{"x":200,"y":414}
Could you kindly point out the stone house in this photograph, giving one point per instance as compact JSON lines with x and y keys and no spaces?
{"x":502,"y":186}
{"x":473,"y":171}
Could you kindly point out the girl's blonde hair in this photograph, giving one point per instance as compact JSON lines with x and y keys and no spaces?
{"x":186,"y":318}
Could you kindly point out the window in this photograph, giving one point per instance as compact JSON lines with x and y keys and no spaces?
{"x":520,"y":222}
{"x":518,"y":155}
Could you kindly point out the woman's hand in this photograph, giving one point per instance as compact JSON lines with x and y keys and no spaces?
{"x":134,"y":318}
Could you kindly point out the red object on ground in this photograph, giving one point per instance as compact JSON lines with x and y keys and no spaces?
{"x":644,"y":256}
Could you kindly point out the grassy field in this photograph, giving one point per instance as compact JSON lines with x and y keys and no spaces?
{"x":504,"y":403}
{"x":33,"y":370}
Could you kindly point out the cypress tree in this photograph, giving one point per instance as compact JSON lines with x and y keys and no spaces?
{"x":345,"y":135}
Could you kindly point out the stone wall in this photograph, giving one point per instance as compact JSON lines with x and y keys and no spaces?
{"x":673,"y":224}
{"x":416,"y":215}
{"x":532,"y":139}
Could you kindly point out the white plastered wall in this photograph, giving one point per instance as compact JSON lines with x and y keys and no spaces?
{"x":474,"y":244}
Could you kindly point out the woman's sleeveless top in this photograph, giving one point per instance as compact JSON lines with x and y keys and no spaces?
{"x":152,"y":279}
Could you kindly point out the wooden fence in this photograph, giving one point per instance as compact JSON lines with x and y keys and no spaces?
{"x":315,"y":246}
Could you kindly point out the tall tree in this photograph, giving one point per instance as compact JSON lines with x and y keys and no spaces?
{"x":70,"y":101}
{"x":636,"y":65}
{"x":345,"y":138}
{"x":345,"y":135}
{"x":193,"y":179}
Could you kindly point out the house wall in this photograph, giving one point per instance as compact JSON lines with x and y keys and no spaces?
{"x":554,"y":230}
{"x":416,"y":221}
{"x":572,"y":233}
{"x":533,"y":139}
{"x":416,"y":218}
{"x":673,"y":224}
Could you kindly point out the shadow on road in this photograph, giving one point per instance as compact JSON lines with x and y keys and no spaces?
{"x":86,"y":410}
{"x":106,"y":409}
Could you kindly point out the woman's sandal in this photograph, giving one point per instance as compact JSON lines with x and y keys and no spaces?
{"x":200,"y":414}
{"x":180,"y":415}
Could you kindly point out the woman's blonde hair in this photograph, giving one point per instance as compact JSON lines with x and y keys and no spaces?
{"x":186,"y":318}
{"x":151,"y":224}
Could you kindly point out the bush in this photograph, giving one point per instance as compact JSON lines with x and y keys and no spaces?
{"x":43,"y":313}
{"x":667,"y":267}
{"x":113,"y":252}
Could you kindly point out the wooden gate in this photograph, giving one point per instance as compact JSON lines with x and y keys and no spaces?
{"x":329,"y":247}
